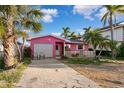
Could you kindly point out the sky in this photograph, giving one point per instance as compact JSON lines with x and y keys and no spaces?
{"x":76,"y":17}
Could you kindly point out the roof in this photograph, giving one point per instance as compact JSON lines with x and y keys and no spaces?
{"x":66,"y":40}
{"x":119,"y":24}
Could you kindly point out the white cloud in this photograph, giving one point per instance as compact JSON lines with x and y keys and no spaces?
{"x":80,"y":31}
{"x":57,"y":34}
{"x":103,"y":10}
{"x":85,"y":10}
{"x":49,"y":14}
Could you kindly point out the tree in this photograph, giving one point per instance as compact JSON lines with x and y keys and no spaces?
{"x":73,"y":36}
{"x":110,"y":15}
{"x":113,"y":46}
{"x":92,"y":37}
{"x":66,"y":32}
{"x":14,"y":17}
{"x":103,"y":43}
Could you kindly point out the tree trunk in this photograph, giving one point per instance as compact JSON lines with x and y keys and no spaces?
{"x":111,"y":28}
{"x":99,"y":53}
{"x":22,"y":51}
{"x":8,"y":51}
{"x":18,"y":49}
{"x":94,"y":51}
{"x":8,"y":44}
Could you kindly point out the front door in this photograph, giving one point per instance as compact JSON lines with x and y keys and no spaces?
{"x":57,"y":50}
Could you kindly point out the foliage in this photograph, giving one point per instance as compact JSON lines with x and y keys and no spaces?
{"x":27,"y":52}
{"x":64,"y":57}
{"x":2,"y":63}
{"x":66,"y":32}
{"x":10,"y":77}
{"x":75,"y":55}
{"x":121,"y":50}
{"x":85,"y":61}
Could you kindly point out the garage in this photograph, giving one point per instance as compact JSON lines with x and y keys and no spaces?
{"x":43,"y":49}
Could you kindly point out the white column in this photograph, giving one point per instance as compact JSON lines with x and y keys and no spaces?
{"x":64,"y":48}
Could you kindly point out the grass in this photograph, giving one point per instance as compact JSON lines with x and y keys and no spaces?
{"x":85,"y":61}
{"x":9,"y":77}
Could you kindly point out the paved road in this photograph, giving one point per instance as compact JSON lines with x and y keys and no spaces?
{"x":51,"y":73}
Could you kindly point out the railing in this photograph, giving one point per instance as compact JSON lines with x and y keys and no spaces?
{"x":70,"y":53}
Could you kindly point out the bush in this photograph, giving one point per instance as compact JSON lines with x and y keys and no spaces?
{"x":64,"y":57}
{"x":27,"y":52}
{"x":75,"y":55}
{"x":2,"y":65}
{"x":121,"y":50}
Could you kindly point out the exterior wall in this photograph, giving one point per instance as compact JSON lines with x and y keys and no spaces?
{"x":47,"y":40}
{"x":118,"y":34}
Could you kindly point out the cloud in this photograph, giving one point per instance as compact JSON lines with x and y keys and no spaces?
{"x":80,"y":31}
{"x":103,"y":10}
{"x":49,"y":14}
{"x":85,"y":10}
{"x":57,"y":34}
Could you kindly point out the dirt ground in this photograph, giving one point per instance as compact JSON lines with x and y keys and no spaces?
{"x":107,"y":75}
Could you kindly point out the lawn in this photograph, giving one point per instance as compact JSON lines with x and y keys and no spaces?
{"x":106,"y":74}
{"x":9,"y":78}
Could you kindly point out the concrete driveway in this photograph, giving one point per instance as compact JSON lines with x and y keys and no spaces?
{"x":51,"y":73}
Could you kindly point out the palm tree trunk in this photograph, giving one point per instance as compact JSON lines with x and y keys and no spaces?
{"x":18,"y":49}
{"x":99,"y":53}
{"x":94,"y":51}
{"x":8,"y":51}
{"x":22,"y":51}
{"x":111,"y":28}
{"x":8,"y":44}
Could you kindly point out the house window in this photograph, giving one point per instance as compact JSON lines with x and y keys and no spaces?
{"x":80,"y":46}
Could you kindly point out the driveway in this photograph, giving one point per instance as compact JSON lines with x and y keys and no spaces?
{"x":51,"y":73}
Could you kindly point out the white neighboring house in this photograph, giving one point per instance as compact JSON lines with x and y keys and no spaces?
{"x":118,"y":34}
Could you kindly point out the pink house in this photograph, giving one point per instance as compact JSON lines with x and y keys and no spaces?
{"x":53,"y":46}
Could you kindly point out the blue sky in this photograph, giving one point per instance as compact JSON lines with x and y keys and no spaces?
{"x":76,"y":17}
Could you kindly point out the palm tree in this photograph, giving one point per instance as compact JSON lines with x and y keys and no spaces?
{"x":66,"y":32}
{"x":110,"y":15}
{"x":92,"y":37}
{"x":73,"y":36}
{"x":113,"y":46}
{"x":16,"y":17}
{"x":24,"y":36}
{"x":104,"y":43}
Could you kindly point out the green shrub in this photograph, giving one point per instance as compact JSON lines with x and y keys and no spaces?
{"x":64,"y":57}
{"x":27,"y":52}
{"x":75,"y":55}
{"x":2,"y":65}
{"x":121,"y":50}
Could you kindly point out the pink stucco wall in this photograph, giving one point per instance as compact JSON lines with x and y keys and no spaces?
{"x":52,"y":40}
{"x":47,"y":40}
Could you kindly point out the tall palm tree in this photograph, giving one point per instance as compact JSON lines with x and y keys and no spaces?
{"x":16,"y":17}
{"x":110,"y":15}
{"x":92,"y":37}
{"x":66,"y":32}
